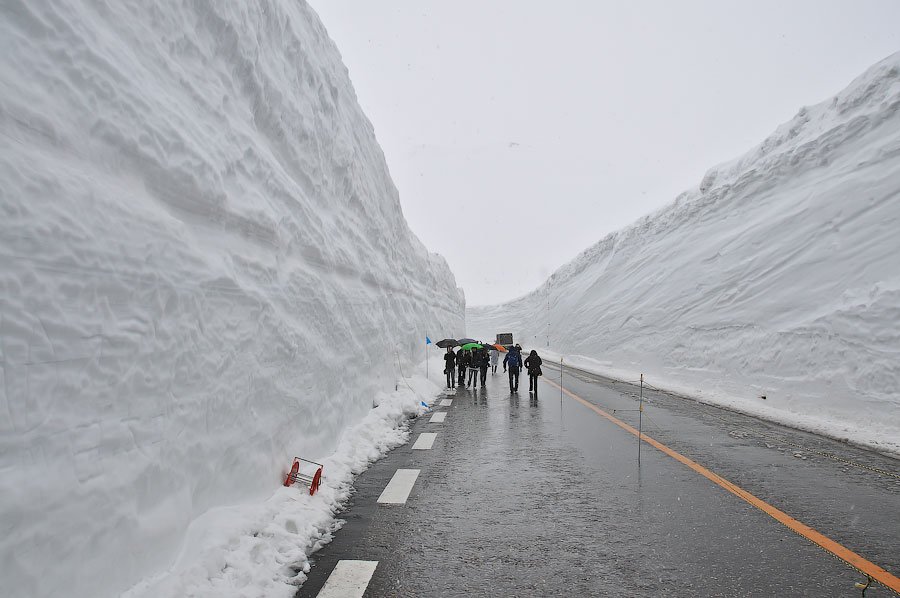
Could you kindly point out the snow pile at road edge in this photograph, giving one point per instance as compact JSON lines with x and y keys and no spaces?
{"x":262,"y":549}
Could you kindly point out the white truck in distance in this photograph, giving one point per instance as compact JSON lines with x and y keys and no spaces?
{"x":505,"y":339}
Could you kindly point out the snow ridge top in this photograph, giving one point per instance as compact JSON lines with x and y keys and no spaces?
{"x":869,"y":100}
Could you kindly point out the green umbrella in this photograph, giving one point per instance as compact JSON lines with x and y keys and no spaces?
{"x":470,"y":346}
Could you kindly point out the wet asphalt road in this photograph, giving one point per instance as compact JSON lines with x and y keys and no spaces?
{"x":543,"y":497}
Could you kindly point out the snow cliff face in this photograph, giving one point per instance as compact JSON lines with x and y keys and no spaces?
{"x":205,"y":271}
{"x":778,"y":276}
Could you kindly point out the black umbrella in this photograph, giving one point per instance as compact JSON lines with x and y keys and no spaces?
{"x":466,"y":341}
{"x":447,"y":342}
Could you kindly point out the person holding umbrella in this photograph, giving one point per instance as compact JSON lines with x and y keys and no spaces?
{"x":494,"y":359}
{"x":484,"y":364}
{"x":474,"y":366}
{"x":462,"y":362}
{"x":450,"y":367}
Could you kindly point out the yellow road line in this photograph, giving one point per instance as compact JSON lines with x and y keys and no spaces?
{"x":867,"y":567}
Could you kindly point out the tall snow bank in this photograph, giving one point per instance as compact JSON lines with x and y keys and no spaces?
{"x":779,"y":277}
{"x":205,"y":271}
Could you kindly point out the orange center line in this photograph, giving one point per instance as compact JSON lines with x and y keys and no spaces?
{"x":867,"y":567}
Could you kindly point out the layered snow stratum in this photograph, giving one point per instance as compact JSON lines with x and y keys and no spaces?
{"x":777,"y":277}
{"x":205,"y":271}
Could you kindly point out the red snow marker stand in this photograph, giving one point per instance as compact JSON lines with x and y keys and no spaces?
{"x":308,"y":473}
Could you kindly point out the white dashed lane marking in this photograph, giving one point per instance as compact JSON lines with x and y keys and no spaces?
{"x":438,"y":418}
{"x":349,"y":579}
{"x":398,"y":489}
{"x":425,"y":441}
{"x":446,"y":402}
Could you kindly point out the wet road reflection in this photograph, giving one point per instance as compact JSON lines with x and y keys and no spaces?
{"x":526,"y":495}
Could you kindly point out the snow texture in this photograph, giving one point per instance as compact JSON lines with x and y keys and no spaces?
{"x":205,"y":271}
{"x":777,"y":277}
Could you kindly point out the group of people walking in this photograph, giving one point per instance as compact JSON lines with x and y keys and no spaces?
{"x":477,"y":361}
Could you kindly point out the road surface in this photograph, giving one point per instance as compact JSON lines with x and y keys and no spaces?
{"x":524,"y":495}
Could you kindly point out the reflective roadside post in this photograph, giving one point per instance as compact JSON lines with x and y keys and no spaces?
{"x":640,"y":418}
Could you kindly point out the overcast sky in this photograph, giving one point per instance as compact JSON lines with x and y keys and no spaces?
{"x":519,"y":132}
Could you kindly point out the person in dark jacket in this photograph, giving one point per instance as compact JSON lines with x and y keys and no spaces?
{"x":450,"y":367}
{"x":533,"y":365}
{"x":513,"y":362}
{"x":484,"y":365}
{"x":474,"y":366}
{"x":462,"y":362}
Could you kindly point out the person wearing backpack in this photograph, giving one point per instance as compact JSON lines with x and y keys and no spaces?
{"x":513,"y":363}
{"x":533,"y":364}
{"x":450,"y":367}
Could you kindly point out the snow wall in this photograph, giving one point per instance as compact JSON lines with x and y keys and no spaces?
{"x":778,"y":276}
{"x":205,"y":271}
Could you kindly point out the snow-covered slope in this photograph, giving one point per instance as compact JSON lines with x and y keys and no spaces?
{"x":205,"y":271}
{"x":778,"y":276}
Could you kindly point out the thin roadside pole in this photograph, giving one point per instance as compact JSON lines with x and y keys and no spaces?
{"x":640,"y":419}
{"x":560,"y":380}
{"x":426,"y":355}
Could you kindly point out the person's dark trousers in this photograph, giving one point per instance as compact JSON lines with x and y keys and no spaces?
{"x":513,"y":378}
{"x":484,"y":375}
{"x":532,"y":382}
{"x":493,"y":369}
{"x":451,"y":377}
{"x":473,"y":377}
{"x":462,"y":376}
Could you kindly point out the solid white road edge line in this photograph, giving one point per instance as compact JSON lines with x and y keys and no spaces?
{"x":425,"y":441}
{"x":349,"y":579}
{"x":398,"y":489}
{"x":438,"y":418}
